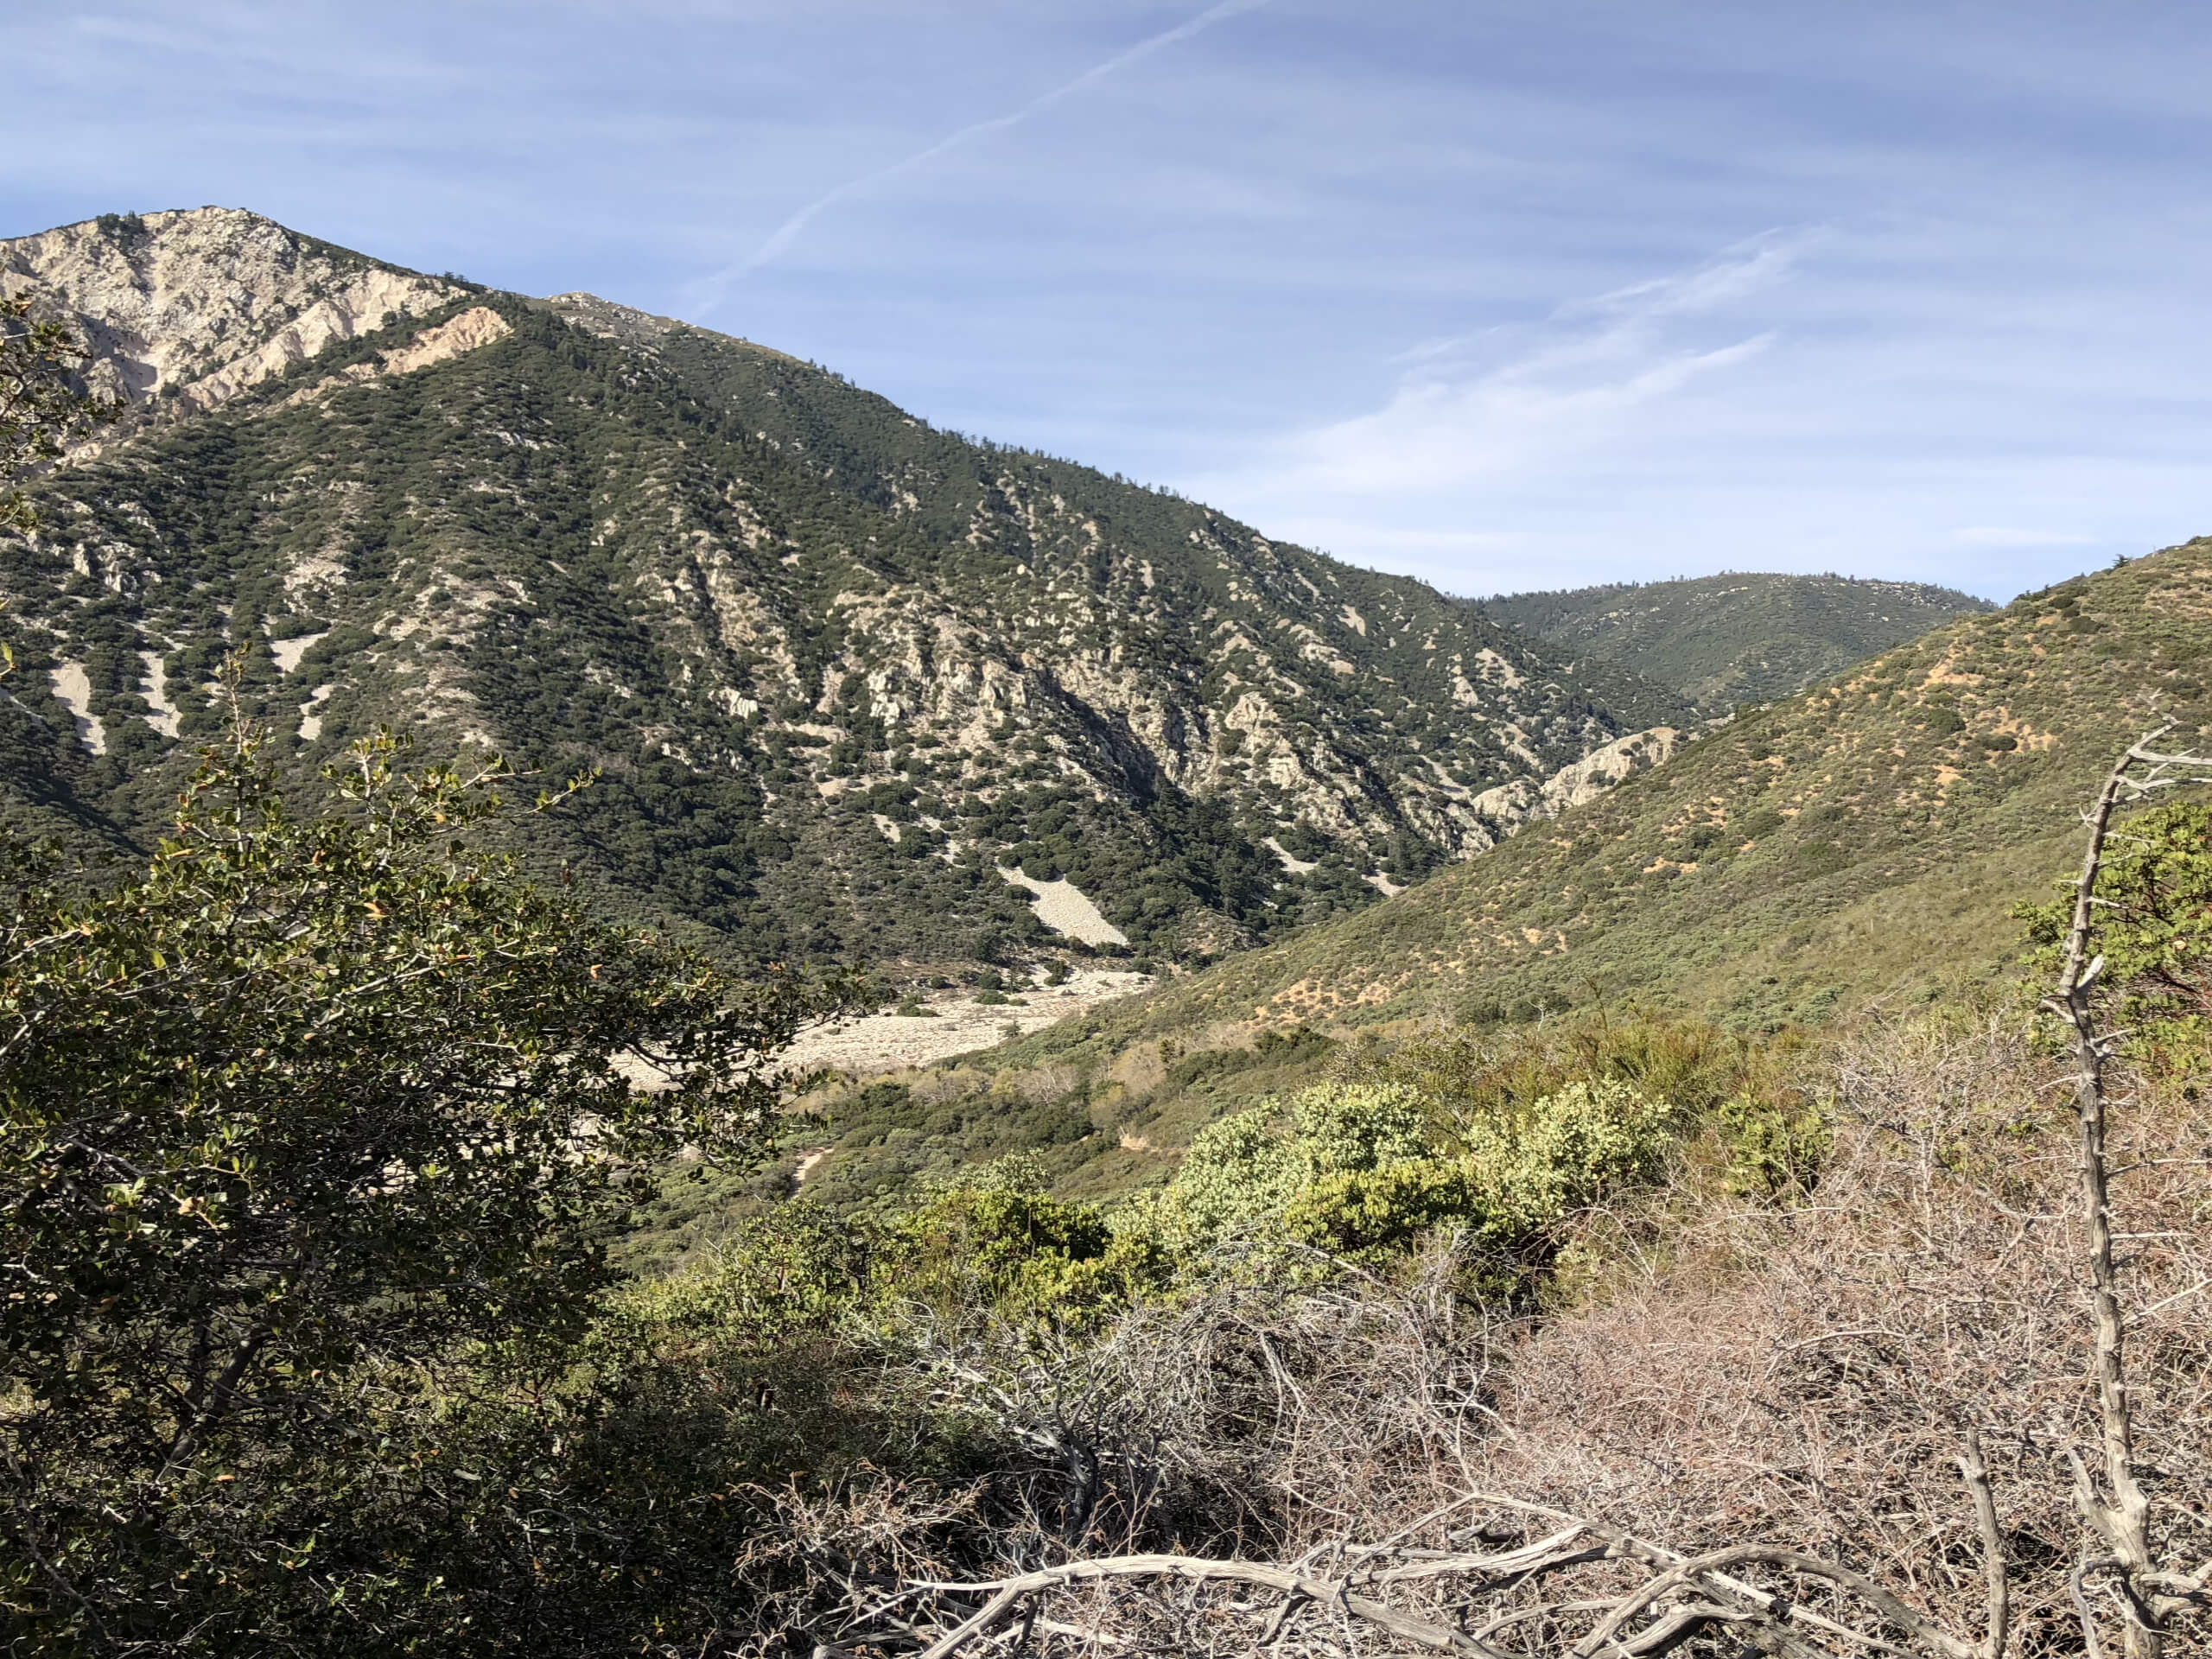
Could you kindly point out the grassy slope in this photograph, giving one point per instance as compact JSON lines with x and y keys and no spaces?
{"x":1863,"y":840}
{"x":1733,"y":639}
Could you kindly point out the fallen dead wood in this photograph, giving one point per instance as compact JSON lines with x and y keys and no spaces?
{"x":1684,"y":1595}
{"x":1009,"y":1593}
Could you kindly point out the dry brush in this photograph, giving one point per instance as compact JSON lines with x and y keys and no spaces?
{"x":1952,"y":1403}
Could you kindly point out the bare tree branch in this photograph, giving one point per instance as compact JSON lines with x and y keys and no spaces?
{"x":1998,"y":1620}
{"x":2121,"y":1522}
{"x":1198,"y":1569}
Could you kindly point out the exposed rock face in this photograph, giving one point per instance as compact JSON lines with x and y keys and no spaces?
{"x":192,"y":307}
{"x":834,"y":664}
{"x":1515,"y":803}
{"x":477,"y":326}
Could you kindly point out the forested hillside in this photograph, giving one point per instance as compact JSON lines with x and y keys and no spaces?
{"x":836,"y":668}
{"x":1738,"y":638}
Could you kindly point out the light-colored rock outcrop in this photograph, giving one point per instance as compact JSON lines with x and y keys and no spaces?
{"x":1067,"y":910}
{"x":1512,"y":805}
{"x":184,"y":310}
{"x":73,"y":689}
{"x":477,"y":326}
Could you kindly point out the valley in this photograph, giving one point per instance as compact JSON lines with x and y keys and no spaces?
{"x":1860,"y":846}
{"x":656,"y":1009}
{"x":851,"y":688}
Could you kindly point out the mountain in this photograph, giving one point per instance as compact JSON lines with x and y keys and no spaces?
{"x":845,"y":677}
{"x":1867,"y":839}
{"x":1734,"y":639}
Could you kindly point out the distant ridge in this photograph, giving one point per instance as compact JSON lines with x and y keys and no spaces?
{"x":1735,"y":637}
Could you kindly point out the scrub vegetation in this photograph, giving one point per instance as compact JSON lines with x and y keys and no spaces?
{"x":325,"y":1136}
{"x":1868,"y":838}
{"x":835,"y":667}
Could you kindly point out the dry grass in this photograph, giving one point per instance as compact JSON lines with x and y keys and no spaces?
{"x":1807,"y":1376}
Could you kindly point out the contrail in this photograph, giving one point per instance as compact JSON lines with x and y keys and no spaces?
{"x":789,"y":232}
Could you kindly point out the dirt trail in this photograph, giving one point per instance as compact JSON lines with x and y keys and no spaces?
{"x":891,"y":1042}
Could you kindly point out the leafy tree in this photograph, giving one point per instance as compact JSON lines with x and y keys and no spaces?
{"x":39,"y":412}
{"x":2154,"y":906}
{"x":312,"y":1134}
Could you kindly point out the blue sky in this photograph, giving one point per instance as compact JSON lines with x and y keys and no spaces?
{"x":1501,"y":294}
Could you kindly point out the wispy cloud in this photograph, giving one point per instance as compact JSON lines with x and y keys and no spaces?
{"x":710,"y":290}
{"x":1990,"y":374}
{"x":1492,"y":404}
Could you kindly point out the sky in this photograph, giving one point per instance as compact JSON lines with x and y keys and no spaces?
{"x":1503,"y":296}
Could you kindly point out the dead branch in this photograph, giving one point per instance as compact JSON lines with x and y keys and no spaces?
{"x":2121,"y":1520}
{"x":1679,"y":1577}
{"x":1998,"y":1620}
{"x":1685,"y":1595}
{"x":1627,"y":1546}
{"x":1197,"y":1570}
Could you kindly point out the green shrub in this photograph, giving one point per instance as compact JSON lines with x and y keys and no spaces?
{"x":1820,"y":858}
{"x":1529,"y":1170}
{"x":1271,"y":1048}
{"x":1247,"y":1169}
{"x":1340,"y":1127}
{"x":788,"y":1271}
{"x":1364,"y":1213}
{"x":1775,"y":1146}
{"x":1365,"y":1168}
{"x":993,"y":1243}
{"x":1693,"y":1064}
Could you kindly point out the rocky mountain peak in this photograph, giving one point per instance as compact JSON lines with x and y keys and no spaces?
{"x":185,"y":309}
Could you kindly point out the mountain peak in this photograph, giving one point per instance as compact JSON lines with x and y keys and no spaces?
{"x":192,"y":306}
{"x":853,"y":686}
